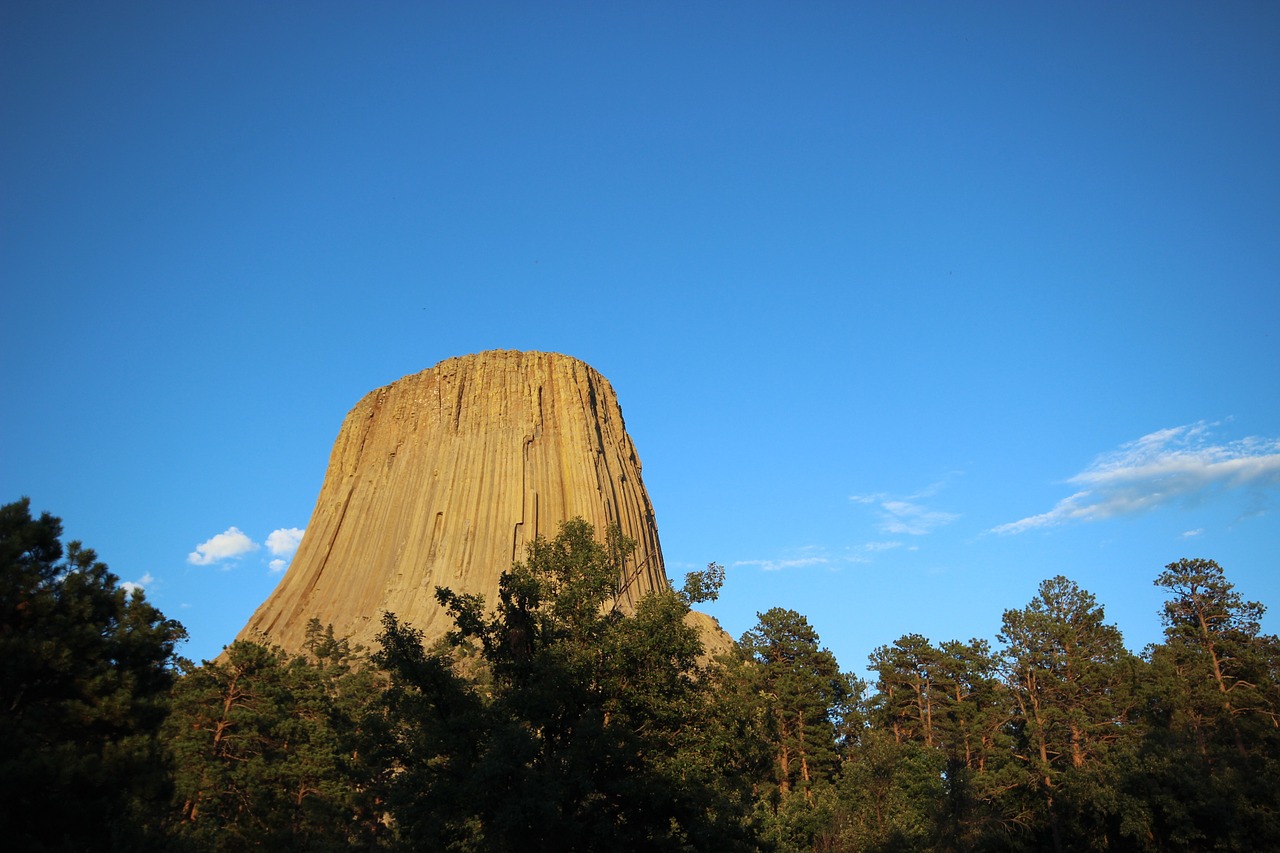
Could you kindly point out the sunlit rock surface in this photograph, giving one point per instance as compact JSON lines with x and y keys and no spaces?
{"x":440,"y":478}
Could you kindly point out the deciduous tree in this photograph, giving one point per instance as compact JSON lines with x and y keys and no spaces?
{"x":580,"y":727}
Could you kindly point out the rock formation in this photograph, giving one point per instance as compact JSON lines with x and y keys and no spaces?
{"x":440,"y":478}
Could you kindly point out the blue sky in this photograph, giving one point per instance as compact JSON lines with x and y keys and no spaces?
{"x":908,"y":306}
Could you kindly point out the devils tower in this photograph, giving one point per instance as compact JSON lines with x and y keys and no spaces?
{"x":440,"y":478}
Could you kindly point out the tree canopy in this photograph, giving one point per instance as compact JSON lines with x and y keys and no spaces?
{"x":85,"y":670}
{"x":559,"y":718}
{"x":580,"y":726}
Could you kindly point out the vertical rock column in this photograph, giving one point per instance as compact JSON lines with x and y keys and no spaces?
{"x":440,"y":478}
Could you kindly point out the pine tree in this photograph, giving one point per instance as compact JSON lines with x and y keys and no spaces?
{"x":802,"y":695}
{"x":1208,"y":771}
{"x":271,"y":750}
{"x":1072,"y":681}
{"x":85,"y":666}
{"x":1213,"y":634}
{"x":909,"y":699}
{"x":803,"y":689}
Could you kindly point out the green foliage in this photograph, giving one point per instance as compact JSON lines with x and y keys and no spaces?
{"x":703,"y":586}
{"x":803,"y":692}
{"x":1212,"y":638}
{"x":84,"y":670}
{"x":948,"y":700}
{"x":1207,"y":772}
{"x":889,"y":795}
{"x":586,"y":727}
{"x":561,"y":720}
{"x":273,"y":751}
{"x":1072,"y":682}
{"x":909,"y":695}
{"x":802,"y":697}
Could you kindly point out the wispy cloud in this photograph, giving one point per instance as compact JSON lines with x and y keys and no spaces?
{"x":776,"y":565}
{"x":912,"y":519}
{"x":231,"y":544}
{"x":898,"y":515}
{"x":908,"y":516}
{"x":1177,"y":465}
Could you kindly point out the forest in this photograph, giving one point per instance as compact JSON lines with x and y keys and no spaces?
{"x":553,"y":720}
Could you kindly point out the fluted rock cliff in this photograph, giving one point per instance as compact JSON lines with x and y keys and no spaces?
{"x":440,"y":478}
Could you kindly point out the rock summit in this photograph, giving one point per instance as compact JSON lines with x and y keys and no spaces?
{"x":440,"y":478}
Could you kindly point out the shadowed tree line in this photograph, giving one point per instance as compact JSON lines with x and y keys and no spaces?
{"x":553,"y":720}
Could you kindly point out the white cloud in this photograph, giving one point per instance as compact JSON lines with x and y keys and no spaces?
{"x":912,"y":519}
{"x":139,"y":584}
{"x":277,"y":565}
{"x":229,"y":545}
{"x":284,"y":541}
{"x":775,"y":565}
{"x":906,"y":516}
{"x":1189,"y":533}
{"x":881,"y":546}
{"x":1176,"y":465}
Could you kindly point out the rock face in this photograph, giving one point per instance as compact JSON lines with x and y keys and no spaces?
{"x":440,"y":478}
